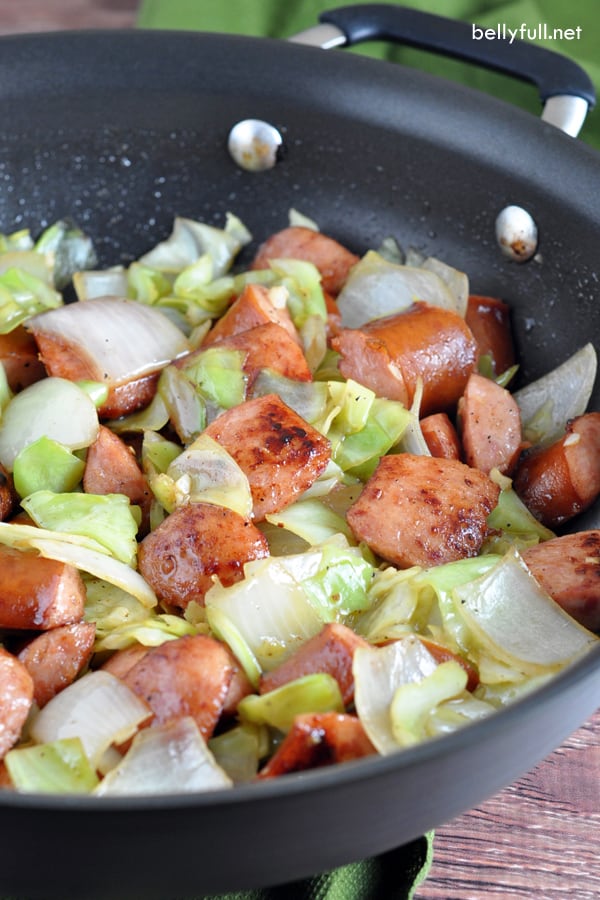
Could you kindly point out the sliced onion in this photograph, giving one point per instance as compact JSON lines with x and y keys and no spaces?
{"x":101,"y":283}
{"x":100,"y":565}
{"x":376,"y":287}
{"x":456,"y":281}
{"x":98,"y":708}
{"x":297,"y":218}
{"x":54,"y":408}
{"x":517,"y":622}
{"x":166,"y":759}
{"x":121,"y":340}
{"x":378,"y":673}
{"x":547,"y":404}
{"x":268,"y":609}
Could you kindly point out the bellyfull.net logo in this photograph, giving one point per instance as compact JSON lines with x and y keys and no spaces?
{"x":525,"y":32}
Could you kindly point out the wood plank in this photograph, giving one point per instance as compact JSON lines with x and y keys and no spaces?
{"x":540,"y":837}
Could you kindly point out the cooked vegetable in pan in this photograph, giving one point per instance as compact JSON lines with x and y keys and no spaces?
{"x":261,"y":517}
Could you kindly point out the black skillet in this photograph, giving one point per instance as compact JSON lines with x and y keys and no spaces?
{"x":123,"y":130}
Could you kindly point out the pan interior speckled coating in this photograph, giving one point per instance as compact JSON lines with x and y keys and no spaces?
{"x":123,"y":130}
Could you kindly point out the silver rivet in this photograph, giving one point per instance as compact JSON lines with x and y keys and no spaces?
{"x":255,"y":145}
{"x":516,"y":233}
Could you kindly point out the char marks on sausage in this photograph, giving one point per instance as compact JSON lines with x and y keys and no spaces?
{"x":418,"y":510}
{"x":279,"y":452}
{"x":568,"y":568}
{"x":192,"y":545}
{"x":319,"y":739}
{"x":38,"y":593}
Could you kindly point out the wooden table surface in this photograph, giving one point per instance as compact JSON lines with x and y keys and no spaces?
{"x":541,"y":836}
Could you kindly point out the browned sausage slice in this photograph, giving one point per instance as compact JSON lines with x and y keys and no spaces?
{"x":269,"y":347}
{"x":194,"y":543}
{"x":334,"y":316}
{"x":8,"y":496}
{"x":240,"y":686}
{"x":331,"y":651}
{"x":123,"y":660}
{"x":19,"y":356}
{"x":489,"y":320}
{"x":422,"y":511}
{"x":16,"y":698}
{"x":38,"y":593}
{"x":441,"y":436}
{"x":55,"y":658}
{"x":423,"y":343}
{"x":560,"y":481}
{"x":189,"y":676}
{"x":128,"y":398}
{"x":366,"y":358}
{"x":442,"y":654}
{"x":280,"y":453}
{"x":253,"y":307}
{"x":568,"y":568}
{"x":111,"y":468}
{"x":490,"y":426}
{"x":331,"y":259}
{"x":319,"y":739}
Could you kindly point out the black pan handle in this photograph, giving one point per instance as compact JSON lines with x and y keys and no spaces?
{"x":564,"y":87}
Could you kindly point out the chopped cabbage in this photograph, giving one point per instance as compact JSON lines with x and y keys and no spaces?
{"x":106,"y":518}
{"x":56,"y":767}
{"x":314,"y":693}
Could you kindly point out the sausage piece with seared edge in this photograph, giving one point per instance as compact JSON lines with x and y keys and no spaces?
{"x":194,"y":543}
{"x":490,"y":426}
{"x":279,"y":452}
{"x":393,"y":354}
{"x":189,"y":676}
{"x":568,"y":568}
{"x":38,"y":593}
{"x":55,"y":658}
{"x":422,"y":511}
{"x":562,"y":480}
{"x":16,"y":698}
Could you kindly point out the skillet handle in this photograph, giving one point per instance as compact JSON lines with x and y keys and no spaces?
{"x":564,"y":87}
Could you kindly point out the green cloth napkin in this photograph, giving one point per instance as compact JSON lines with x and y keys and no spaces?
{"x":283,"y":18}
